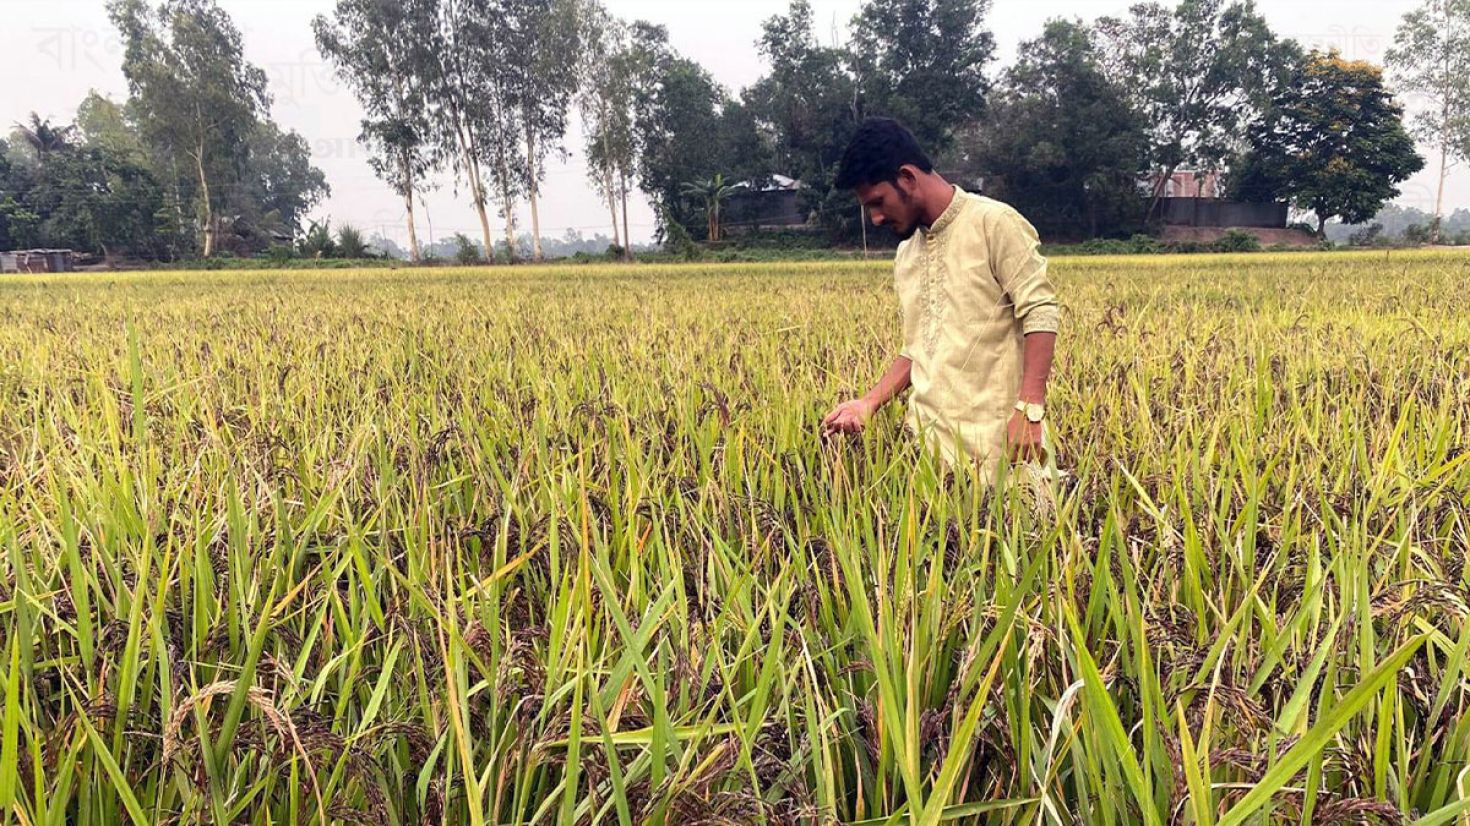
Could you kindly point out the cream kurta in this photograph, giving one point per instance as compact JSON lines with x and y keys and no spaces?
{"x":970,"y":288}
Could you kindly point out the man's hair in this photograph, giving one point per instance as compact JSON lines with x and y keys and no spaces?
{"x":879,"y":149}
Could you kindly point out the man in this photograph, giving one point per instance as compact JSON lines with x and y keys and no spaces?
{"x":979,"y":312}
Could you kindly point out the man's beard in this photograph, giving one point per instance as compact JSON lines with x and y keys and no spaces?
{"x":908,"y":232}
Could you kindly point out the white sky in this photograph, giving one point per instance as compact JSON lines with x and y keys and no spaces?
{"x":53,"y":51}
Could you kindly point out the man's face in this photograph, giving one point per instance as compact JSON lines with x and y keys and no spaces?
{"x":893,"y":204}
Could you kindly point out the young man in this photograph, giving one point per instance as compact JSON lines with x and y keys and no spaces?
{"x":979,"y":312}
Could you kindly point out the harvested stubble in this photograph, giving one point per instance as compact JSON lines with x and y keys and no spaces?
{"x":563,"y":546}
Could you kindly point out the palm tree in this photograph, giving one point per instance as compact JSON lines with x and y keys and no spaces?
{"x":43,"y":138}
{"x":713,"y":193}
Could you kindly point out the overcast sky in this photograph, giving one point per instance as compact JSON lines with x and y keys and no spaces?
{"x":53,"y":51}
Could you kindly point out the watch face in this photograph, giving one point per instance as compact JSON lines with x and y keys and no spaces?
{"x":1035,"y":412}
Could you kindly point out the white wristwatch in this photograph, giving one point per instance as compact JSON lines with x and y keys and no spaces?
{"x":1035,"y":413}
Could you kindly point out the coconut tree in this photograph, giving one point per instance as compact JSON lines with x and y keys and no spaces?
{"x":43,"y":138}
{"x":712,"y":193}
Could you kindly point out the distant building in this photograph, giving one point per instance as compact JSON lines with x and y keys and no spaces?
{"x":775,"y":206}
{"x":34,"y":261}
{"x":1188,"y":183}
{"x":1190,"y":198}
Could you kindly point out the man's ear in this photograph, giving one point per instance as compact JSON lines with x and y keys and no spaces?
{"x":907,"y":182}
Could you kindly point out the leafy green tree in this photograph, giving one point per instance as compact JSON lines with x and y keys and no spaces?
{"x":1199,"y":74}
{"x":1061,"y":142}
{"x":1431,"y":57}
{"x":277,"y":187}
{"x":711,"y":195}
{"x":381,"y":50}
{"x":677,"y":126}
{"x":607,"y":104}
{"x":465,"y":250}
{"x":194,"y":95}
{"x":19,"y":226}
{"x":923,"y":62}
{"x":1333,"y":142}
{"x":94,"y":200}
{"x":551,"y":54}
{"x":809,"y":105}
{"x":43,"y":138}
{"x":459,"y":93}
{"x":103,"y":123}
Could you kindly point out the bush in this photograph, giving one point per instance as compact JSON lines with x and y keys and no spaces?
{"x":466,"y":252}
{"x":1369,"y":236}
{"x":1237,"y":241}
{"x":1416,"y":235}
{"x":318,"y":242}
{"x":350,"y":243}
{"x":280,"y":253}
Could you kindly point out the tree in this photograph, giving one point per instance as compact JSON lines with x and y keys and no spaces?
{"x":712,"y":195}
{"x":95,"y":200}
{"x":607,"y":103}
{"x":277,"y":186}
{"x":473,"y":93}
{"x":552,"y":45}
{"x":677,"y":126}
{"x":381,"y":51}
{"x":1431,"y":57}
{"x":1061,"y":142}
{"x":809,"y":106}
{"x":923,"y":62}
{"x":104,"y":123}
{"x":193,"y":93}
{"x":465,"y":250}
{"x":1333,"y":142}
{"x":1198,"y":74}
{"x":455,"y":91}
{"x":43,"y":138}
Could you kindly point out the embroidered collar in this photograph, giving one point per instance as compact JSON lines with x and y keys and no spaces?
{"x":951,"y":212}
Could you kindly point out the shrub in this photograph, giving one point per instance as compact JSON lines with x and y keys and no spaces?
{"x":1369,"y":236}
{"x":1416,"y":235}
{"x":318,"y":242}
{"x":350,"y":243}
{"x":466,"y":252}
{"x":1237,"y":241}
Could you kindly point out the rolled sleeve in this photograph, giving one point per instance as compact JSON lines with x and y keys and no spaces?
{"x":1021,"y":270}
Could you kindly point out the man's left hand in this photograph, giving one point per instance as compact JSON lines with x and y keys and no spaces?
{"x":1023,"y":439}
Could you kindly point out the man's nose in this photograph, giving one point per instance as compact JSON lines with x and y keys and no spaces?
{"x":877,"y":218}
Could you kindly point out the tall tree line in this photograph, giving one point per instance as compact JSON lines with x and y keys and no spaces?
{"x":1082,"y":132}
{"x":190,"y":164}
{"x":481,"y":88}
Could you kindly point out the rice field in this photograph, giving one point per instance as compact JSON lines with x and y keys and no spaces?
{"x":565,"y":546}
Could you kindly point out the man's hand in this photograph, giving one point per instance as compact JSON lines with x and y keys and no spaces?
{"x":1023,"y":439}
{"x":849,"y":417}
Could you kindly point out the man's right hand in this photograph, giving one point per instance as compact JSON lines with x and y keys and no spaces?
{"x":849,"y":417}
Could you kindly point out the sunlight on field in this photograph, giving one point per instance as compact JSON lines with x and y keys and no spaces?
{"x":514,"y":545}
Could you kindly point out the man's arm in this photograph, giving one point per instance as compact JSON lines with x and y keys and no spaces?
{"x":1022,"y":272}
{"x":852,"y":416}
{"x":1036,"y":358}
{"x":1023,"y":436}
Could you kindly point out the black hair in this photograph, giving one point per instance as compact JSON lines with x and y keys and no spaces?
{"x":875,"y":154}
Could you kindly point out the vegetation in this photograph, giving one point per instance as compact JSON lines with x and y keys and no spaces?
{"x":1081,"y":133}
{"x":1333,"y":143}
{"x":576,"y":553}
{"x":1431,"y":57}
